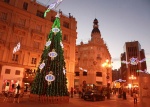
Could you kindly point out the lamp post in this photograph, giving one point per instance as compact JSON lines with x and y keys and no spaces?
{"x":107,"y":65}
{"x":132,"y":77}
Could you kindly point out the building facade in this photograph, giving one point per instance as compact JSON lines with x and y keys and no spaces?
{"x":22,"y":21}
{"x":89,"y":59}
{"x":133,"y":61}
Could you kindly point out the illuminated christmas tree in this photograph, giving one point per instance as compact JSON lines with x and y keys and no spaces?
{"x":50,"y":79}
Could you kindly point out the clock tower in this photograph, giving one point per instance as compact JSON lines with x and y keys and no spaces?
{"x":95,"y":34}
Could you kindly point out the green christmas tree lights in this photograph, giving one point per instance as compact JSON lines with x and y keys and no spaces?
{"x":50,"y":79}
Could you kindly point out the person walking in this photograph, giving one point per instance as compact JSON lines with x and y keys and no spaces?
{"x":18,"y":88}
{"x":135,"y":98}
{"x":71,"y":92}
{"x":124,"y":95}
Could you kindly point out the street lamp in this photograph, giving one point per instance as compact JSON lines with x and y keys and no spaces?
{"x":107,"y":65}
{"x":132,"y":77}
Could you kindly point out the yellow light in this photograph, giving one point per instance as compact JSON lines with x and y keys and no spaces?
{"x":107,"y":60}
{"x":129,"y":85}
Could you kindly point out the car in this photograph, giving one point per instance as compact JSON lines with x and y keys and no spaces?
{"x":93,"y":95}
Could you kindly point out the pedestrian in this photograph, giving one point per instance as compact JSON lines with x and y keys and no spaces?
{"x":135,"y":98}
{"x":124,"y":95}
{"x":71,"y":92}
{"x":18,"y":88}
{"x":26,"y":88}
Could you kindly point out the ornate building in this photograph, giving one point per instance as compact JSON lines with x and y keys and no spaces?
{"x":23,"y":21}
{"x":89,"y":60}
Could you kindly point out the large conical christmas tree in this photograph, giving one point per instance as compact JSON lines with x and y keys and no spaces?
{"x":50,"y":79}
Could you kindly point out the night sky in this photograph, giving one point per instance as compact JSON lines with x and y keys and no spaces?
{"x":120,"y":21}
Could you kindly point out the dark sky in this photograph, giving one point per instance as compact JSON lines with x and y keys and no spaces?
{"x":120,"y":21}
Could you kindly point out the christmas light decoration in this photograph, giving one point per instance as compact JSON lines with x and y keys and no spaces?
{"x":51,"y":6}
{"x":120,"y":80}
{"x":16,"y":48}
{"x":133,"y":61}
{"x":145,"y":71}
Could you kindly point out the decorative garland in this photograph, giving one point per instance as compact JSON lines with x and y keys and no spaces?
{"x":133,"y":61}
{"x":16,"y":48}
{"x":145,"y":71}
{"x":51,"y":6}
{"x":120,"y":80}
{"x":83,"y":69}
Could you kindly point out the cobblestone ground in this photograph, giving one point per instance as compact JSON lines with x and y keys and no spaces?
{"x":75,"y":102}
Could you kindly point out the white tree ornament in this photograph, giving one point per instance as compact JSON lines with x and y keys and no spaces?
{"x":52,"y":54}
{"x":42,"y":66}
{"x":64,"y":71}
{"x":55,"y":30}
{"x":50,"y":77}
{"x":48,"y":43}
{"x":61,"y":44}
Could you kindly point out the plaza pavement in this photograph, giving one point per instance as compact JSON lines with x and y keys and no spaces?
{"x":76,"y":102}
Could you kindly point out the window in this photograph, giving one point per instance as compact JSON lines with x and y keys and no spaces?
{"x":22,"y":22}
{"x":17,"y":72}
{"x":52,"y":19}
{"x":65,"y":37}
{"x":99,"y":82}
{"x":15,"y":57}
{"x":7,"y":1}
{"x":84,"y":73}
{"x":7,"y":71}
{"x":66,"y":24}
{"x":39,"y":27}
{"x":77,"y":73}
{"x":98,"y":57}
{"x":40,"y":14}
{"x":99,"y":74}
{"x":33,"y":61}
{"x":3,"y":16}
{"x":25,"y":6}
{"x":36,"y":45}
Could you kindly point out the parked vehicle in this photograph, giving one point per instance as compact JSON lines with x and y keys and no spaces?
{"x":94,"y":95}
